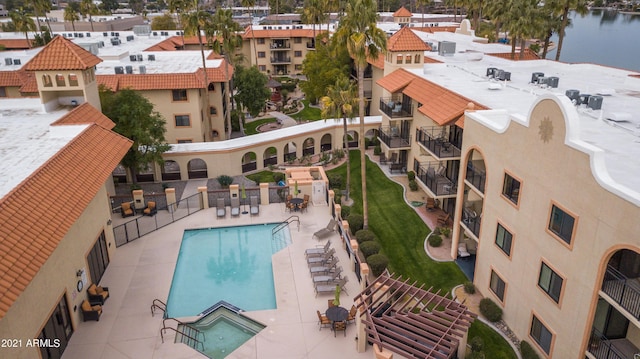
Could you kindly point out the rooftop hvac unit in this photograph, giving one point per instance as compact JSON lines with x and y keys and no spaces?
{"x":64,"y":35}
{"x":504,"y":75}
{"x":80,"y":35}
{"x":132,"y":58}
{"x":16,"y":61}
{"x":535,"y":75}
{"x":75,"y":34}
{"x":446,"y":48}
{"x":117,"y":34}
{"x":129,"y":69}
{"x":88,"y":34}
{"x":100,"y":44}
{"x":155,"y":33}
{"x":151,"y":58}
{"x":119,"y":70}
{"x":8,"y":61}
{"x":105,"y":34}
{"x":552,"y":81}
{"x":584,"y":99}
{"x":140,"y":58}
{"x":543,"y":81}
{"x":574,"y":96}
{"x":130,"y":38}
{"x":115,"y":41}
{"x":595,"y":102}
{"x":143,"y":69}
{"x":491,"y":71}
{"x":113,"y":33}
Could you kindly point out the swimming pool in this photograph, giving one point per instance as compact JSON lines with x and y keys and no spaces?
{"x":232,"y":264}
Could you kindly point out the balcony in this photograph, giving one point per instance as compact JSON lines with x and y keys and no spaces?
{"x":311,"y":45}
{"x":624,"y":291}
{"x":432,"y":174}
{"x":280,"y":60}
{"x":435,"y":140}
{"x":392,"y":138}
{"x":471,"y":220}
{"x":395,"y":109}
{"x":476,"y":177}
{"x":280,"y":45}
{"x":602,"y":347}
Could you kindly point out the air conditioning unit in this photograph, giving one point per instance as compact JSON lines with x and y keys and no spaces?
{"x":16,"y":61}
{"x":573,"y":95}
{"x":132,"y":58}
{"x":105,"y":34}
{"x":130,"y":38}
{"x":535,"y":76}
{"x":552,"y":81}
{"x":151,"y":58}
{"x":595,"y":102}
{"x":8,"y":61}
{"x":491,"y":71}
{"x":584,"y":99}
{"x":504,"y":75}
{"x":140,"y":58}
{"x":119,"y":70}
{"x":446,"y":48}
{"x":143,"y":69}
{"x":129,"y":69}
{"x":543,"y":81}
{"x":155,"y":33}
{"x":115,"y":41}
{"x":88,"y":34}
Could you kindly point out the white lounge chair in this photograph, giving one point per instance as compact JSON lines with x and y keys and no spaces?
{"x":254,"y":208}
{"x":331,"y":288}
{"x":221,"y":210}
{"x":235,"y":206}
{"x":318,"y":250}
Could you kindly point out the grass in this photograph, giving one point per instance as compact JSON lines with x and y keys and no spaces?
{"x":401,"y":233}
{"x":251,"y":128}
{"x":308,"y":113}
{"x":262,"y":177}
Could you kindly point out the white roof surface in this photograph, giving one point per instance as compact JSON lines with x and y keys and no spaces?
{"x":26,"y":140}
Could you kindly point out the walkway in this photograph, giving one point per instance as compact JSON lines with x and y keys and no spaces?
{"x":284,"y":120}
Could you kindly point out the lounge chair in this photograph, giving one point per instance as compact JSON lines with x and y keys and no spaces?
{"x":314,"y":261}
{"x":331,"y":288}
{"x":328,"y":278}
{"x":327,"y":231}
{"x":235,"y":206}
{"x":443,"y":220}
{"x":151,"y":209}
{"x":97,"y":294}
{"x":254,"y":207}
{"x":431,"y":204}
{"x":127,"y":209}
{"x":91,"y":312}
{"x":323,"y":321}
{"x":324,"y":268}
{"x":383,"y":158}
{"x":221,"y":209}
{"x":462,"y":250}
{"x":318,"y":250}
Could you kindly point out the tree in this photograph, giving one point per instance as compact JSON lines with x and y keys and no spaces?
{"x":364,"y":40}
{"x":164,"y":22}
{"x":88,"y":9}
{"x":563,"y":7}
{"x":136,"y":119}
{"x":424,"y":3}
{"x":22,"y":23}
{"x":313,"y":13}
{"x":109,"y":5}
{"x":41,"y":7}
{"x":251,"y":4}
{"x":322,"y":66}
{"x":181,"y":7}
{"x":71,"y":15}
{"x":136,"y":6}
{"x":251,"y":89}
{"x":342,"y":102}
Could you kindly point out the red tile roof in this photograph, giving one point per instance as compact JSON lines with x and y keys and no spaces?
{"x":9,"y":79}
{"x":280,"y":34}
{"x":402,"y":12}
{"x":82,"y":113}
{"x":16,"y":44}
{"x":37,"y":214}
{"x":406,"y":40}
{"x":396,"y":80}
{"x":528,"y":55}
{"x":378,"y":63}
{"x":62,"y":54}
{"x":29,"y":83}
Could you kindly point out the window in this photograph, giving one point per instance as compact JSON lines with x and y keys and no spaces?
{"x":98,"y":259}
{"x":407,"y":59}
{"x":46,"y":81}
{"x":60,"y":81}
{"x":541,"y":334}
{"x":73,"y":80}
{"x":550,"y":282}
{"x":185,"y":141}
{"x":213,"y":110}
{"x":297,"y":40}
{"x":417,"y":59}
{"x":260,"y":41}
{"x":511,"y":188}
{"x":179,"y":95}
{"x":298,"y":67}
{"x":497,"y":285}
{"x":3,"y":92}
{"x":503,"y":239}
{"x":399,"y":59}
{"x":183,"y":120}
{"x":297,"y":53}
{"x":262,"y":68}
{"x":261,"y":54}
{"x":561,"y":224}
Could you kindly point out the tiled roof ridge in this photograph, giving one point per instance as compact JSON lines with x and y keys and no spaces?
{"x":402,"y":12}
{"x":36,"y":220}
{"x":406,"y":40}
{"x":62,"y":54}
{"x":85,"y":114}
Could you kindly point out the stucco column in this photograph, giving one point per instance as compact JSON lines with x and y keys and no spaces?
{"x":462,"y":345}
{"x":264,"y":194}
{"x":361,"y":343}
{"x":138,"y":198}
{"x":381,"y":353}
{"x":345,"y":227}
{"x":338,"y":211}
{"x":157,"y":172}
{"x":170,"y":193}
{"x":204,"y":197}
{"x":234,"y":191}
{"x":332,"y":203}
{"x":355,"y":246}
{"x":364,"y":274}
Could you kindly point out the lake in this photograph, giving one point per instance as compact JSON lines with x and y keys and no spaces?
{"x":604,"y":37}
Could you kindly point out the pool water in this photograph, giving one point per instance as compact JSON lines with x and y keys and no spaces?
{"x":232,"y":264}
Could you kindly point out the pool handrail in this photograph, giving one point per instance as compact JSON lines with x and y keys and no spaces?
{"x":184,"y":325}
{"x":284,"y":224}
{"x":157,"y":303}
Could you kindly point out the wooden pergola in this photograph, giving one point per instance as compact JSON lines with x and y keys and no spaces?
{"x":410,"y":321}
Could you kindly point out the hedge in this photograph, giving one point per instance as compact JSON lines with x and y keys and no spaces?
{"x":490,"y":310}
{"x":378,"y":263}
{"x":365,"y":235}
{"x":369,"y":248}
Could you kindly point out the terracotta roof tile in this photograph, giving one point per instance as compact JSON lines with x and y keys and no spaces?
{"x":83,"y":114}
{"x":429,"y":60}
{"x":9,"y":79}
{"x":62,"y":54}
{"x":406,"y":40}
{"x":32,"y":228}
{"x":16,"y":44}
{"x":396,"y":80}
{"x":432,"y":29}
{"x":528,"y":55}
{"x":29,"y":83}
{"x":378,"y":63}
{"x":402,"y":12}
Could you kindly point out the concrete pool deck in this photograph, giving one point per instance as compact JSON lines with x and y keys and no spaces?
{"x":142,"y":270}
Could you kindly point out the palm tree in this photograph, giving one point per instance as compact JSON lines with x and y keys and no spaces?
{"x":563,"y":8}
{"x":88,"y":8}
{"x":225,"y":39}
{"x":71,"y":15}
{"x":342,"y":101}
{"x":251,"y":4}
{"x":177,"y":7}
{"x":358,"y":32}
{"x":313,"y":13}
{"x":23,"y":23}
{"x":41,"y":7}
{"x":423,"y":3}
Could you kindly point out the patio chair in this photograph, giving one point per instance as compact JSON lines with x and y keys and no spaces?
{"x":151,"y":209}
{"x":394,"y":157}
{"x":383,"y":158}
{"x":235,"y":206}
{"x":313,"y":261}
{"x":352,"y":314}
{"x":97,"y":294}
{"x":127,"y":209}
{"x":443,"y":219}
{"x":328,"y":278}
{"x":327,"y":231}
{"x":462,"y":251}
{"x":331,"y":288}
{"x":323,"y":321}
{"x":318,"y":250}
{"x":431,"y":204}
{"x":254,"y":208}
{"x":340,"y":326}
{"x":221,"y":209}
{"x":91,"y":312}
{"x":324,"y":268}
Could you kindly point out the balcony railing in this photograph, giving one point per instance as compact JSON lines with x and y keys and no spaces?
{"x":476,"y":177}
{"x":603,"y":348}
{"x":434,"y":139}
{"x":432,"y":174}
{"x":311,"y":45}
{"x":395,"y":109}
{"x":623,"y":290}
{"x":392,"y":138}
{"x":280,"y":60}
{"x":280,"y":45}
{"x":472,"y":221}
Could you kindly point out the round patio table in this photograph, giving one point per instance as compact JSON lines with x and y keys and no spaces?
{"x":337,"y":314}
{"x":297,"y":202}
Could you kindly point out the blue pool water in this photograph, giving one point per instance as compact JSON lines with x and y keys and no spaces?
{"x":230,"y":263}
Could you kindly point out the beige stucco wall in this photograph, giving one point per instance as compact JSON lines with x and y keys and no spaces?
{"x":549,"y":172}
{"x":57,"y":277}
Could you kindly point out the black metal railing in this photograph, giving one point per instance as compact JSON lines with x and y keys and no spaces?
{"x":393,"y":108}
{"x":325,"y":147}
{"x":251,"y":166}
{"x":308,"y":151}
{"x":474,"y":225}
{"x":280,"y":60}
{"x":289,"y":156}
{"x":476,"y":177}
{"x":616,"y":285}
{"x":171,"y":176}
{"x":435,"y":141}
{"x":270,"y":161}
{"x":432,"y":175}
{"x":280,"y":45}
{"x":165,"y":215}
{"x":602,"y":348}
{"x":392,"y":137}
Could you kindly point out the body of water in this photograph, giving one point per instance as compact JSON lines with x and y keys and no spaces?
{"x":603,"y":37}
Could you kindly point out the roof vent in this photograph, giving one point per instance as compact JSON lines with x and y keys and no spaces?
{"x":119,"y":70}
{"x":16,"y":61}
{"x":574,"y":96}
{"x":535,"y":76}
{"x":619,"y":117}
{"x":595,"y":102}
{"x":132,"y":58}
{"x":130,"y":38}
{"x":129,"y":69}
{"x":552,"y":81}
{"x":143,"y":69}
{"x":151,"y":58}
{"x":8,"y":61}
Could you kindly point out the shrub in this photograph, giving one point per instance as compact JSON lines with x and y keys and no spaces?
{"x":345,"y":211}
{"x":377,"y":150}
{"x":335,"y":181}
{"x":338,"y":198}
{"x":278,"y":176}
{"x":370,"y":248}
{"x":367,"y":143}
{"x":490,"y":310}
{"x":445,"y":231}
{"x":356,"y":222}
{"x":527,"y":351}
{"x":435,"y":240}
{"x":135,"y":187}
{"x":338,"y":153}
{"x":469,"y":288}
{"x":476,"y":344}
{"x":413,"y":185}
{"x":377,"y":263}
{"x":225,"y":180}
{"x":364,"y":235}
{"x":411,"y":175}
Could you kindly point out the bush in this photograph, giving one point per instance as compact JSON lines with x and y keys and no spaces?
{"x":445,"y":231}
{"x":377,"y":150}
{"x":225,"y":180}
{"x":435,"y":240}
{"x":411,"y":175}
{"x":490,"y":310}
{"x":278,"y":176}
{"x":469,"y":288}
{"x":335,"y":181}
{"x":377,"y":263}
{"x":337,"y":198}
{"x":338,"y":153}
{"x":476,"y":344}
{"x":364,"y":235}
{"x":367,"y":143}
{"x":527,"y":351}
{"x":413,"y":185}
{"x":370,"y":248}
{"x":345,"y":211}
{"x":356,"y":222}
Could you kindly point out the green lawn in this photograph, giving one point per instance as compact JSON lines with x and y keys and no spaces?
{"x":262,"y":177}
{"x":308,"y":113}
{"x":250,"y":128}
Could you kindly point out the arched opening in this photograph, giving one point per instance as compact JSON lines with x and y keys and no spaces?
{"x":290,"y":152}
{"x":146,"y":174}
{"x":119,"y":174}
{"x":270,"y":157}
{"x":476,"y":171}
{"x":325,"y":143}
{"x":352,"y":139}
{"x":249,"y":162}
{"x":197,"y":168}
{"x":308,"y":147}
{"x":170,"y":171}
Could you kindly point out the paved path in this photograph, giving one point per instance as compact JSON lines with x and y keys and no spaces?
{"x":283,"y":119}
{"x":192,"y":187}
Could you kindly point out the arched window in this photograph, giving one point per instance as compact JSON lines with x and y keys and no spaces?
{"x":417,"y":59}
{"x":46,"y":81}
{"x":60,"y":82}
{"x":73,"y":80}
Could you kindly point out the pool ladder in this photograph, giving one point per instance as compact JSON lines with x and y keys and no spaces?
{"x":160,"y":305}
{"x":188,"y":334}
{"x":283,"y":225}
